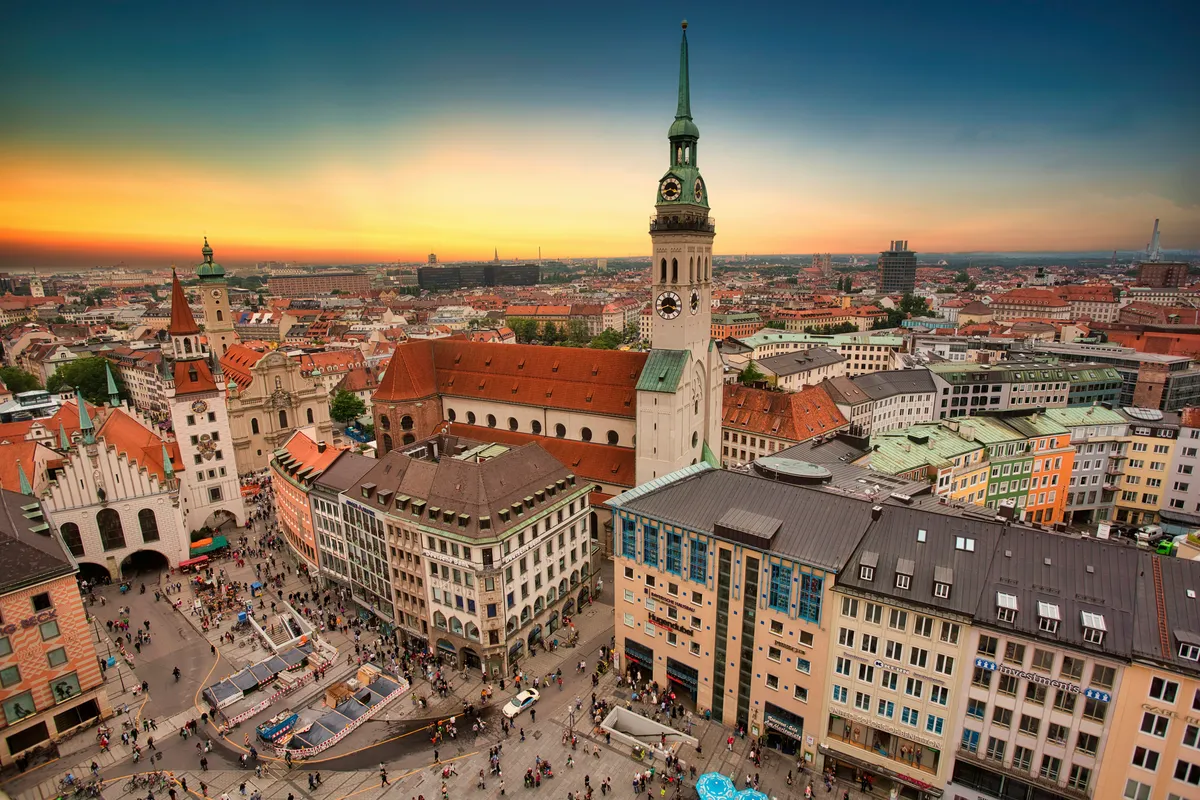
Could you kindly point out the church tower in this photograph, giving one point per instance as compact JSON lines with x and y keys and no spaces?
{"x":214,"y":293}
{"x":679,"y":394}
{"x":209,"y":490}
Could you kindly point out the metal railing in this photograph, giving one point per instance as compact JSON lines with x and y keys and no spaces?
{"x":683,"y":222}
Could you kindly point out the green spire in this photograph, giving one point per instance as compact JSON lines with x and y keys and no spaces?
{"x":64,"y":441}
{"x":114,"y":397}
{"x":85,"y":422}
{"x":25,"y":487}
{"x":168,"y":468}
{"x":684,"y":109}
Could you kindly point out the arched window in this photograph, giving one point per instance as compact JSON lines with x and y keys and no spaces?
{"x":70,"y":535}
{"x":309,"y":414}
{"x":220,"y":316}
{"x":707,"y":274}
{"x":254,"y":424}
{"x":511,"y":625}
{"x":278,"y":383}
{"x":584,"y":571}
{"x":112,"y":535}
{"x":560,"y":430}
{"x":663,"y":279}
{"x":585,"y":434}
{"x":525,"y":615}
{"x":149,"y":525}
{"x":491,"y":420}
{"x":472,"y":631}
{"x":439,"y":620}
{"x":406,"y":423}
{"x":687,"y":155}
{"x":456,"y":626}
{"x":613,"y":437}
{"x":691,"y":269}
{"x":470,"y":417}
{"x":187,"y":345}
{"x":282,"y":419}
{"x":409,"y":438}
{"x":450,"y":415}
{"x":695,"y":438}
{"x":385,"y":422}
{"x":674,"y":270}
{"x":539,"y":605}
{"x":387,"y":443}
{"x":512,"y":423}
{"x":536,"y":427}
{"x":551,"y":595}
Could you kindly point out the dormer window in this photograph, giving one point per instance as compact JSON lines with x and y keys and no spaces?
{"x":1093,"y":627}
{"x":1006,"y":607}
{"x":904,"y":573}
{"x":1189,"y":651}
{"x":941,"y":590}
{"x":943,"y":579}
{"x":866,"y":573}
{"x":1048,"y":617}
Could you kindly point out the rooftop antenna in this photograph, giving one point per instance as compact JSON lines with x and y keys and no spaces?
{"x":1153,"y":252}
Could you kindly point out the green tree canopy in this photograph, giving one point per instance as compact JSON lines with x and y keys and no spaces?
{"x":776,"y":325}
{"x":346,"y":407}
{"x":89,"y":376}
{"x":577,"y":332}
{"x":18,"y":380}
{"x":608,"y":339}
{"x":523,"y":328}
{"x":751,"y":374}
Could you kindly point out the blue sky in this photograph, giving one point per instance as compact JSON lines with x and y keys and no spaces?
{"x":961,"y":125}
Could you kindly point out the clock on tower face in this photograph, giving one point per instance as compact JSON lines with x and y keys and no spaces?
{"x":216,"y":292}
{"x":668,"y":305}
{"x":670,"y":189}
{"x":695,"y":301}
{"x":199,"y":407}
{"x":699,"y":191}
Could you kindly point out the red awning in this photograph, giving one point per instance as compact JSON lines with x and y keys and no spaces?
{"x":191,"y":562}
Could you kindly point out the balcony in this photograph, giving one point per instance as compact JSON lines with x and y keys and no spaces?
{"x":683,"y":222}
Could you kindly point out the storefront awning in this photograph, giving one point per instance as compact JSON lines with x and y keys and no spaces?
{"x":191,"y":562}
{"x":215,"y":543}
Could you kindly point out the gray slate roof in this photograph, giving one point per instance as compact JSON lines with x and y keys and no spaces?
{"x":895,"y":538}
{"x":1075,"y":574}
{"x":800,"y":361}
{"x":816,"y":528}
{"x":344,"y":472}
{"x":27,"y":557}
{"x":880,"y":385}
{"x":1159,"y":640}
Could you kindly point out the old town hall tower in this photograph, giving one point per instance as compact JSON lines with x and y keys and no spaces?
{"x":679,"y":393}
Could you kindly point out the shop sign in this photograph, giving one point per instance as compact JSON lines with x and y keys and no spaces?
{"x":902,"y":732}
{"x":669,"y":602}
{"x":892,"y":667}
{"x":783,"y":726}
{"x":788,"y":646}
{"x":1073,"y":688}
{"x":29,"y":622}
{"x":663,"y":622}
{"x":1170,"y":712}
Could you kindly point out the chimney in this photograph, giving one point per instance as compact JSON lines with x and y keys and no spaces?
{"x":321,"y":447}
{"x":876,"y":512}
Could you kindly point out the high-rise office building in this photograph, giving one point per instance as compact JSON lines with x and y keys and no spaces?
{"x":897,"y":269}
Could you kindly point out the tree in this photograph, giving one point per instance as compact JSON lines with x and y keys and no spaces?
{"x":608,"y":339}
{"x":551,"y":334}
{"x":914,"y":306}
{"x":18,"y":380}
{"x":346,"y":407}
{"x":577,"y":332}
{"x":961,"y":277}
{"x":523,"y":328}
{"x":631,"y":334}
{"x":776,"y":325}
{"x":751,"y":374}
{"x":89,"y":376}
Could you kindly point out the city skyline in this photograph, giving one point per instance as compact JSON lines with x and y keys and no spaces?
{"x":384,"y":135}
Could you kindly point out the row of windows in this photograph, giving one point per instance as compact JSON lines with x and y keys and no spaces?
{"x":112,"y":533}
{"x":535,"y":426}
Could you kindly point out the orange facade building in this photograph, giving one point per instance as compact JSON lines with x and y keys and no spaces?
{"x":50,"y":679}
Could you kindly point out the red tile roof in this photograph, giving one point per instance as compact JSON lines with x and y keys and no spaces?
{"x":307,"y":454}
{"x":795,"y":416}
{"x":238,"y":361}
{"x":140,"y":445}
{"x":603,"y":463}
{"x":182,"y":321}
{"x":10,"y":454}
{"x":409,"y":374}
{"x":1030,"y":297}
{"x":192,"y":377}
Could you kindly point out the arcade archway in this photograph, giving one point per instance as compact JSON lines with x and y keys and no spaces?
{"x":144,"y":562}
{"x":93,"y":573}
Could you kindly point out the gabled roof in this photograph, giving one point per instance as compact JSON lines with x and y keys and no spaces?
{"x":1175,"y":582}
{"x":603,"y":463}
{"x":303,"y":458}
{"x":238,"y":362}
{"x":800,"y":361}
{"x":29,"y":553}
{"x":182,"y":321}
{"x":795,"y":416}
{"x":880,"y":385}
{"x":193,"y":377}
{"x":141,"y":445}
{"x":409,"y":375}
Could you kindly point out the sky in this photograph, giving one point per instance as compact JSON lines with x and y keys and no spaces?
{"x":361,"y":132}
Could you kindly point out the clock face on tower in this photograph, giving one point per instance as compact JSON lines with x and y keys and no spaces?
{"x":695,"y":302}
{"x":199,"y":407}
{"x":699,"y":190}
{"x":670,"y":189}
{"x":668,"y":305}
{"x":216,"y":292}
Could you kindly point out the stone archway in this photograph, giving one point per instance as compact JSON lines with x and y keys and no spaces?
{"x":585,"y":594}
{"x":94,"y":573}
{"x":144,"y":562}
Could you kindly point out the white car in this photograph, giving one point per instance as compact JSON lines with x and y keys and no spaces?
{"x":522,"y":701}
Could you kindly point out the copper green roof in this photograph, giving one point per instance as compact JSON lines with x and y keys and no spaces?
{"x":663,"y":371}
{"x":917,"y":446}
{"x":209,"y":269}
{"x":1075,"y":416}
{"x":1036,"y":424}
